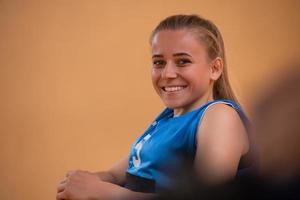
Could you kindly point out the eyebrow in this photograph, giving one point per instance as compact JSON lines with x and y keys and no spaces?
{"x":182,"y":54}
{"x":157,"y":56}
{"x":175,"y":55}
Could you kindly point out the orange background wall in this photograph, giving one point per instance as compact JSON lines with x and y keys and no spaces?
{"x":75,"y":88}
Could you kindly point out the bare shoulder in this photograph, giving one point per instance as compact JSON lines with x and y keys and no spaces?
{"x":222,"y":123}
{"x":220,"y":116}
{"x":221,"y":113}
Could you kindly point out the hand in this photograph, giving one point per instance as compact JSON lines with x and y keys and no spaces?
{"x":79,"y":185}
{"x":83,"y":185}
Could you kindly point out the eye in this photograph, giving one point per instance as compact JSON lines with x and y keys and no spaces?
{"x":183,"y":62}
{"x":159,"y":63}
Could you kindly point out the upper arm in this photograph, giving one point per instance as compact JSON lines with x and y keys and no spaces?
{"x":221,"y":141}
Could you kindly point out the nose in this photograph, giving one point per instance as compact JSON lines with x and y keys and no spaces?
{"x":169,"y":71}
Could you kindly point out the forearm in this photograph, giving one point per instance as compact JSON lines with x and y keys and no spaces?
{"x":107,"y":177}
{"x":109,"y":191}
{"x":116,"y":174}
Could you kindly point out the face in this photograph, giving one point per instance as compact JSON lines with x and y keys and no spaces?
{"x":181,"y":72}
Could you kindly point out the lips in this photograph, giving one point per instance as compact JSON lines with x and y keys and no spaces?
{"x":176,"y":88}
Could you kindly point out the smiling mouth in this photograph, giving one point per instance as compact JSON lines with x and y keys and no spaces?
{"x":173,"y":88}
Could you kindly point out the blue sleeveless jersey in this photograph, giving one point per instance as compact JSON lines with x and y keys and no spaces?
{"x":167,"y":144}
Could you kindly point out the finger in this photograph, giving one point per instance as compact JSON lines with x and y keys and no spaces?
{"x":61,"y":196}
{"x":64,"y":180}
{"x":62,"y":184}
{"x":61,"y":187}
{"x":69,"y":173}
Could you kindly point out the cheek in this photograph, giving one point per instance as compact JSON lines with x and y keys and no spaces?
{"x":155,"y":76}
{"x":199,"y":77}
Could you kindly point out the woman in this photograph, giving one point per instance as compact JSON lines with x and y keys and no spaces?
{"x":202,"y":129}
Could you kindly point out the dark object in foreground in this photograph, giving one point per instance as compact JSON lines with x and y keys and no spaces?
{"x":249,"y":187}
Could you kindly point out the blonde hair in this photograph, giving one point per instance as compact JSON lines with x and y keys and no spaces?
{"x":211,"y":37}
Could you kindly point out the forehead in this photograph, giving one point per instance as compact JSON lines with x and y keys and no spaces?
{"x":170,"y":41}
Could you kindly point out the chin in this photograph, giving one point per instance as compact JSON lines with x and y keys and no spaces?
{"x":173,"y":105}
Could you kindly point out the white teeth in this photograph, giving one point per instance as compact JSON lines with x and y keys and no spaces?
{"x":173,"y":88}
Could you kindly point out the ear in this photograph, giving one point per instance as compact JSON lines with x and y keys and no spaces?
{"x":216,"y":68}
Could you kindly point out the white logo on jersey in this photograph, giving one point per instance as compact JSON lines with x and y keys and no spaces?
{"x":138,"y":147}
